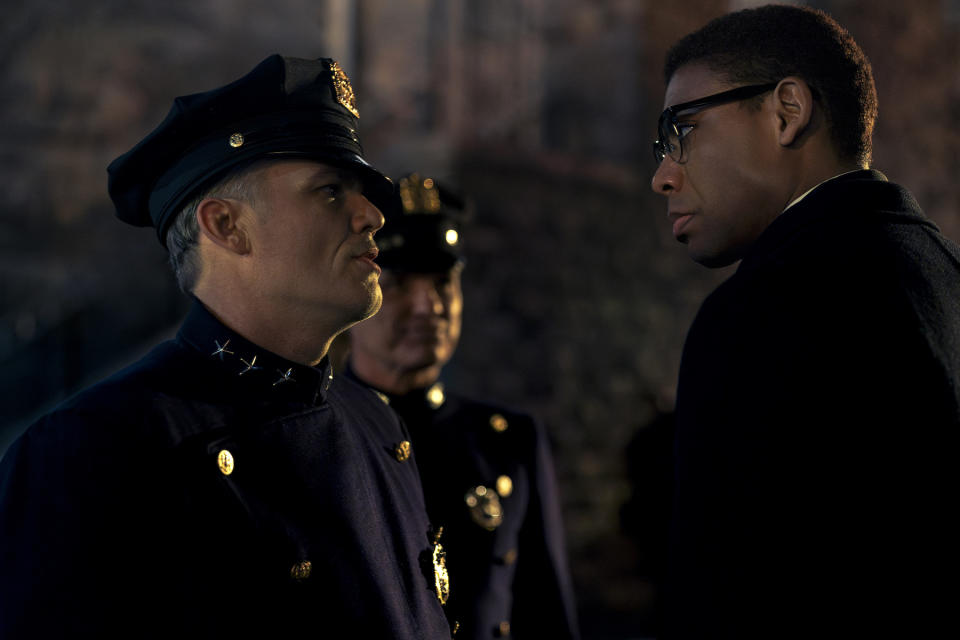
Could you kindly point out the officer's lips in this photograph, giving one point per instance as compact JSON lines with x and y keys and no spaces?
{"x":423,"y":332}
{"x":368,"y":257}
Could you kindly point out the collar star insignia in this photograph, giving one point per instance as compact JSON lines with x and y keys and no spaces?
{"x":221,"y":349}
{"x":251,"y":366}
{"x":285,"y":376}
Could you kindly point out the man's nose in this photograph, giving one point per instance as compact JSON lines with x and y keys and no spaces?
{"x":426,"y":301}
{"x":667,"y":178}
{"x":366,"y":217}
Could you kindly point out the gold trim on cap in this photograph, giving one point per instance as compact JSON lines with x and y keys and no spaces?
{"x":419,"y":195}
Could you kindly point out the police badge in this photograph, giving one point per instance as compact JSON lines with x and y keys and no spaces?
{"x":434,"y":563}
{"x":341,"y":86}
{"x":440,"y":575}
{"x":485,"y":507}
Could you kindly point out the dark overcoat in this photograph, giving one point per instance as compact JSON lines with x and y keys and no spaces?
{"x":488,"y":479}
{"x":214,"y":489}
{"x":817,"y":413}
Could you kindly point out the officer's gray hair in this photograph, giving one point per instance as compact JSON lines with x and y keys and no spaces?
{"x":184,"y":233}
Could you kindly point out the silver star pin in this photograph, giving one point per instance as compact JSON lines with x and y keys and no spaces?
{"x":251,"y":366}
{"x":285,"y":376}
{"x":221,"y":349}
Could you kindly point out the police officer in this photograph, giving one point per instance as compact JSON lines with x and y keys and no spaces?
{"x":222,"y":485}
{"x":486,"y":470}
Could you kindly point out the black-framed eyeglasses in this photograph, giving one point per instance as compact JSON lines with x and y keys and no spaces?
{"x":670,"y":133}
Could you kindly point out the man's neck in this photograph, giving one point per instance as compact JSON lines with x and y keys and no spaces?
{"x":819,"y":166}
{"x":292,"y":336}
{"x":808,"y":191}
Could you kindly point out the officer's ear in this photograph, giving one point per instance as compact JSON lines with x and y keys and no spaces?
{"x":220,"y":222}
{"x":793,"y":106}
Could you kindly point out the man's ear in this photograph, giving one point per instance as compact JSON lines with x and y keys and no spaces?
{"x":219,"y":220}
{"x":794,"y":109}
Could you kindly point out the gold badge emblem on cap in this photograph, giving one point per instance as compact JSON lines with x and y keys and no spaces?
{"x":341,"y":86}
{"x":418,"y":194}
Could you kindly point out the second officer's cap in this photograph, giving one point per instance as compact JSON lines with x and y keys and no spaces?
{"x":284,"y":108}
{"x":424,"y":230}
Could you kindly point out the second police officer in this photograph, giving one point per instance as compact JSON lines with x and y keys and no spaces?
{"x":487,"y":470}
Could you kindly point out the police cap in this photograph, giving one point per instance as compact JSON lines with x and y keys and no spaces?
{"x":423,"y":233}
{"x":284,"y":108}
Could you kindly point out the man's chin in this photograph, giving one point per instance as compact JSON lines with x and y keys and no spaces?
{"x":422,"y":356}
{"x":710,"y":259}
{"x":374,"y":301}
{"x":362,"y":311}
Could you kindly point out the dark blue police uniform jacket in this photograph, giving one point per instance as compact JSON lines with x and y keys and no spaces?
{"x":818,"y":410}
{"x":214,"y":488}
{"x":488,"y":480}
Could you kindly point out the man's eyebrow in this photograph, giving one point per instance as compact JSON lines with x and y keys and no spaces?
{"x":686,"y":111}
{"x":326,"y":172}
{"x":338,"y":173}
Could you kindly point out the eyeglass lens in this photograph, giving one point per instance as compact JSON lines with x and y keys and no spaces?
{"x":668,"y":141}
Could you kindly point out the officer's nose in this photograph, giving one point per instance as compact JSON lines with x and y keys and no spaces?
{"x":668,"y":177}
{"x":366,"y":217}
{"x":426,"y":300}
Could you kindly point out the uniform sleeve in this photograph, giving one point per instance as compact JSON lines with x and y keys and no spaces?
{"x":543,"y":593}
{"x":65,"y":568}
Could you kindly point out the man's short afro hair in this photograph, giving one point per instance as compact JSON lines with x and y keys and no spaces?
{"x":769,"y":43}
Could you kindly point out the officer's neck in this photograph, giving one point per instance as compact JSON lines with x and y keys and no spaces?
{"x":289,"y":336}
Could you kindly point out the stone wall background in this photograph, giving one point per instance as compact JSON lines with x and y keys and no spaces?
{"x":577,"y":297}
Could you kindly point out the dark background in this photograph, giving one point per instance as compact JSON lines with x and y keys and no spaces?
{"x":577,"y":297}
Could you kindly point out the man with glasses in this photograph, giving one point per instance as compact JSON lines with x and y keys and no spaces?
{"x":819,"y":389}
